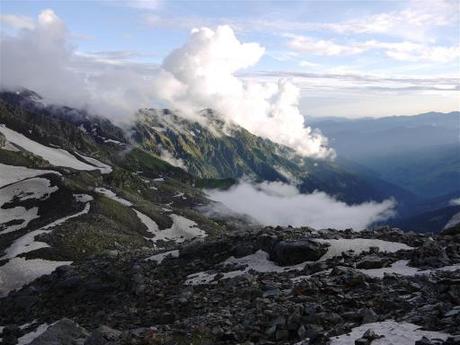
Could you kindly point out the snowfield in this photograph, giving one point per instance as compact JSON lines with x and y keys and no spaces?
{"x":12,"y":173}
{"x":29,"y":337}
{"x":359,"y":245}
{"x":158,"y":258}
{"x":182,"y":229}
{"x":259,"y":262}
{"x":56,"y":157}
{"x":27,"y":243}
{"x":35,"y":188}
{"x":111,"y":195}
{"x":396,"y":333}
{"x":401,"y":267}
{"x":102,"y":167}
{"x":18,"y":272}
{"x":17,"y":214}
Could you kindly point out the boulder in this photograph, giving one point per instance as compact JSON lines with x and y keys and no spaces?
{"x":371,"y":262}
{"x":286,"y":253}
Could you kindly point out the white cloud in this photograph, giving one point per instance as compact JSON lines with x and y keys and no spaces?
{"x":307,"y":44}
{"x":402,"y":51}
{"x":17,"y":22}
{"x":144,"y":4}
{"x":202,"y":74}
{"x":197,"y":75}
{"x":43,"y":59}
{"x":413,"y":22}
{"x":280,"y":204}
{"x":455,"y":202}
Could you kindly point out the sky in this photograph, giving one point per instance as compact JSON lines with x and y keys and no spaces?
{"x":348,"y":58}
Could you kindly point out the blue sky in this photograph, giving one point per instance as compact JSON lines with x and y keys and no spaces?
{"x":349,"y":58}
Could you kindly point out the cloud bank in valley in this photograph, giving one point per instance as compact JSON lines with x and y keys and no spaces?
{"x":275,"y":203}
{"x":200,"y":74}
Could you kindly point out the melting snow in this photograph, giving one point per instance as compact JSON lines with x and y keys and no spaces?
{"x":102,"y":167}
{"x":359,"y":245}
{"x":12,"y":173}
{"x":158,"y":258}
{"x":111,"y":195}
{"x":182,"y":229}
{"x":34,"y":188}
{"x":401,"y":267}
{"x":27,"y":242}
{"x":25,"y":216}
{"x":18,"y":272}
{"x":29,"y":337}
{"x":148,"y":222}
{"x":259,"y":262}
{"x":401,"y":333}
{"x":57,"y":157}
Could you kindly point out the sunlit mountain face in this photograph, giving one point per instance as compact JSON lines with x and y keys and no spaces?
{"x":229,"y":173}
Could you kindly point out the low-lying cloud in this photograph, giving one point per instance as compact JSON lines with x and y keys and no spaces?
{"x":276,"y":203}
{"x":200,"y":74}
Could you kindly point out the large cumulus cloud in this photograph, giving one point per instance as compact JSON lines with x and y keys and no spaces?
{"x":200,"y":74}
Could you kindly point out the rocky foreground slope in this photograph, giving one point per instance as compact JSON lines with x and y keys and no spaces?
{"x":260,"y":286}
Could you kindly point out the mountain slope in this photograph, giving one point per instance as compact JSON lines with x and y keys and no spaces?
{"x":218,"y":151}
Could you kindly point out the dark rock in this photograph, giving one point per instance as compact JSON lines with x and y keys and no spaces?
{"x":371,"y":262}
{"x":287,"y":253}
{"x":103,"y":336}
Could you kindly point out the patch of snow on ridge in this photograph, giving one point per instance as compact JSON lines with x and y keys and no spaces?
{"x":111,"y":195}
{"x":359,"y":245}
{"x":152,"y":227}
{"x":401,"y":333}
{"x":29,"y":337}
{"x":102,"y":167}
{"x":27,"y":243}
{"x":158,"y":258}
{"x":56,"y":157}
{"x":259,"y":262}
{"x":25,"y":216}
{"x":182,"y":229}
{"x":33,"y":188}
{"x":401,"y":267}
{"x":12,"y":173}
{"x":18,"y":272}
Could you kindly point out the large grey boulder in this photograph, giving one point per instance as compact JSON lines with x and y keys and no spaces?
{"x":286,"y":253}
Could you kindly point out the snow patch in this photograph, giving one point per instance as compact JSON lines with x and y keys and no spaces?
{"x":259,"y":262}
{"x":111,"y":195}
{"x":401,"y":267}
{"x":12,"y":173}
{"x":102,"y":167}
{"x":57,"y":157}
{"x":29,"y":337}
{"x":158,"y":258}
{"x":18,"y":272}
{"x":181,"y":230}
{"x":27,"y":243}
{"x":152,"y":227}
{"x":359,"y":245}
{"x":401,"y":333}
